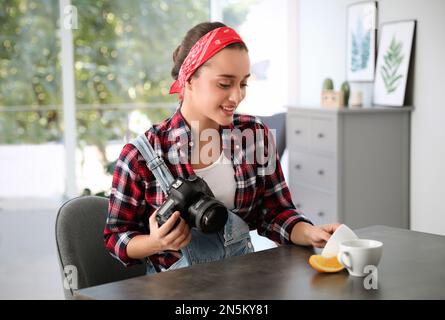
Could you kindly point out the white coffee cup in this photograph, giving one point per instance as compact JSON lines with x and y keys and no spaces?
{"x":355,"y":255}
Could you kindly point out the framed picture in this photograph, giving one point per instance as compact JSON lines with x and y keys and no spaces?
{"x":393,"y":62}
{"x":361,"y":39}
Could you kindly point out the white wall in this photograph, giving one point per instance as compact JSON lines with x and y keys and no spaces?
{"x":322,"y":44}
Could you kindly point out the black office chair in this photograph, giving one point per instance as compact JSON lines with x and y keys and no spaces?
{"x":277,"y":122}
{"x":80,"y":246}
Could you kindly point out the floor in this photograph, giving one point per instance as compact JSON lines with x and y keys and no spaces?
{"x":28,"y":262}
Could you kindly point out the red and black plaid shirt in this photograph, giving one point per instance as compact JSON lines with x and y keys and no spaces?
{"x":262,"y":199}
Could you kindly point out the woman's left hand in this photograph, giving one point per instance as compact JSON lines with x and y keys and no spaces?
{"x":317,"y":236}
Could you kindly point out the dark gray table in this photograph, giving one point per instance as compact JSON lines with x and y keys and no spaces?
{"x":412,"y":267}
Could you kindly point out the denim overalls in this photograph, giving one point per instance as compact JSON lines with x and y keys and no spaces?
{"x":233,"y":240}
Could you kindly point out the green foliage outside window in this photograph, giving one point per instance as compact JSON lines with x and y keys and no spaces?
{"x":122,"y":53}
{"x":122,"y":57}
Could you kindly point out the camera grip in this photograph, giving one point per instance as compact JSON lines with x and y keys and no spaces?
{"x":165,"y":212}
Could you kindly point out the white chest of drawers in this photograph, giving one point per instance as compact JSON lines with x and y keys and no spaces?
{"x":350,"y":165}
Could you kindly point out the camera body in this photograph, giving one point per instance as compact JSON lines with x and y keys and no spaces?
{"x":195,"y":201}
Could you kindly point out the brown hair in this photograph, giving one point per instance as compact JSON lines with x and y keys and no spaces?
{"x":192,"y":36}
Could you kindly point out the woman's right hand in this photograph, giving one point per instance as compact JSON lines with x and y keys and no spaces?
{"x":167,"y":237}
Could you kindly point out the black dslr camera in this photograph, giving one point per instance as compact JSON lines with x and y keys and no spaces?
{"x":196,"y":203}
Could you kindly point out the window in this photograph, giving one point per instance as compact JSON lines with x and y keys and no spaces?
{"x":122,"y":62}
{"x":30,"y":100}
{"x":123,"y":57}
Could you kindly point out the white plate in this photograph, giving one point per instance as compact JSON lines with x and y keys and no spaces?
{"x":343,"y":233}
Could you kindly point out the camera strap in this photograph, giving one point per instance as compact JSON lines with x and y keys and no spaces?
{"x":154,"y":162}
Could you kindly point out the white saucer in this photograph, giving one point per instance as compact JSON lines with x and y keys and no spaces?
{"x":343,"y":233}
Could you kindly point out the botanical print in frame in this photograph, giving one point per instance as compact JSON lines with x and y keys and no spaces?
{"x":393,"y":62}
{"x":361,"y":39}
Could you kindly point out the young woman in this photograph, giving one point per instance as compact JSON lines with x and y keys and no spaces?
{"x":211,"y":70}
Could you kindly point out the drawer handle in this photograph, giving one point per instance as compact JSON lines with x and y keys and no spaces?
{"x":298,"y":167}
{"x":321,"y":214}
{"x":320,"y":172}
{"x":320,"y":135}
{"x":297,"y":132}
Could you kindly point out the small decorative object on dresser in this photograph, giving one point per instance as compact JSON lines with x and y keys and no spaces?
{"x":334,"y":99}
{"x":356,"y":99}
{"x":350,"y":165}
{"x":345,"y":90}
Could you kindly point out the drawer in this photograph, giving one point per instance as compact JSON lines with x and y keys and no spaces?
{"x":313,"y":170}
{"x":298,"y":171}
{"x":323,"y":134}
{"x":320,"y":207}
{"x":321,"y":172}
{"x":298,"y":131}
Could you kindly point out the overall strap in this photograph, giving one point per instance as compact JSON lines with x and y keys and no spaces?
{"x":157,"y":165}
{"x":154,"y":162}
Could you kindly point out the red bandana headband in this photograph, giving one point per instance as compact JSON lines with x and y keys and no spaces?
{"x":205,"y":48}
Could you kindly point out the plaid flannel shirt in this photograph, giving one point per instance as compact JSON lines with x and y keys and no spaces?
{"x":262,"y":199}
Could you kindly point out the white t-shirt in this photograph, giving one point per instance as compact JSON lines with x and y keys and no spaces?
{"x":220,"y":177}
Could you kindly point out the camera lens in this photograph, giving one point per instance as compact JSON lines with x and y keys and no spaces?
{"x":209,"y":214}
{"x":214,"y":219}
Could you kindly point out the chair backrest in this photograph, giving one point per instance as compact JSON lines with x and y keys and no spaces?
{"x":277,"y":122}
{"x":81,"y":249}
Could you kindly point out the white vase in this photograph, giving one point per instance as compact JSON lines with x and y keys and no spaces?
{"x":356,"y":99}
